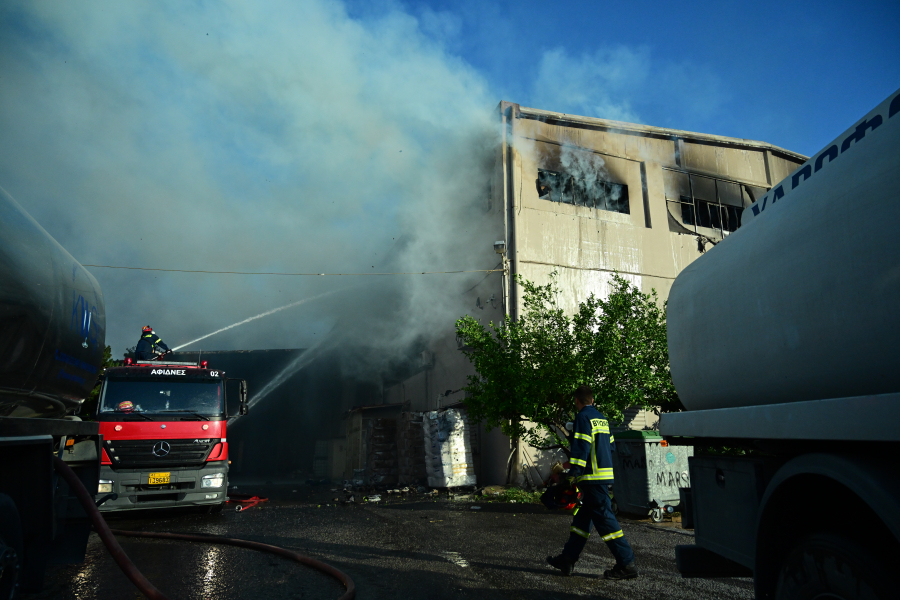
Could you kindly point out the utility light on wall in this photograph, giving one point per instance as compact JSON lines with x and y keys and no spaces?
{"x":500,"y":247}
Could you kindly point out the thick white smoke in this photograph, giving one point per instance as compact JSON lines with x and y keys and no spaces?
{"x":269,"y":136}
{"x":277,"y":136}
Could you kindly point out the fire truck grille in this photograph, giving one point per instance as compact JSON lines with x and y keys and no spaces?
{"x":128,"y":454}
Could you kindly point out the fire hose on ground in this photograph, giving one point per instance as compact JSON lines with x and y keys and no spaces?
{"x":245,"y":501}
{"x":107,"y":535}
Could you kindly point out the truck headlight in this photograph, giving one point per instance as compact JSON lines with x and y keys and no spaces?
{"x":212,"y":481}
{"x":105,"y":487}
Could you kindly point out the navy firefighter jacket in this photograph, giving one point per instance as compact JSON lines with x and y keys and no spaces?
{"x":592,"y":447}
{"x":146,"y":346}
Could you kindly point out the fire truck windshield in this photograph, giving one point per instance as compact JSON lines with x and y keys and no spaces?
{"x":193,"y":398}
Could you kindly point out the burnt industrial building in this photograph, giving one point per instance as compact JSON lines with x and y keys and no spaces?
{"x":586,"y":198}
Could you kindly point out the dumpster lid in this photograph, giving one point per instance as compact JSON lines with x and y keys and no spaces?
{"x":637,"y":434}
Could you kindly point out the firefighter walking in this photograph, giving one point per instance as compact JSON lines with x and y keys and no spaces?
{"x":592,"y":470}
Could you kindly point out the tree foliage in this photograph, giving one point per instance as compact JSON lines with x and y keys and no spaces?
{"x":90,"y":403}
{"x":527,"y":369}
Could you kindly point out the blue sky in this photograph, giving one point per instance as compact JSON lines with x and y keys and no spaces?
{"x":320,"y":136}
{"x":794,"y":74}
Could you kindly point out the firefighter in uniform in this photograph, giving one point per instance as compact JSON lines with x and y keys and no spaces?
{"x":150,"y":345}
{"x":592,"y":471}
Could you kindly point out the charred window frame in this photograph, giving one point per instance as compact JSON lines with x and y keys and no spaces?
{"x":711,"y":202}
{"x":567,"y":189}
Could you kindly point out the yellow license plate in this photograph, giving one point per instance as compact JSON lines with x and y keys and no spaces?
{"x":158,"y":478}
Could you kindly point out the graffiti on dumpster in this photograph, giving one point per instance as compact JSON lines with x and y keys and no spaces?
{"x":676,"y":479}
{"x":634,"y":463}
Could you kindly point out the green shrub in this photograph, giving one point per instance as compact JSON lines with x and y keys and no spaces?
{"x":520,"y":496}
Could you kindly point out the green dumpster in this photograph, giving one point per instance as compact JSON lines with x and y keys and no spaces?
{"x":648,"y":473}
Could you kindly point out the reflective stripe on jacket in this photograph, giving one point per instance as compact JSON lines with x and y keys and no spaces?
{"x":146,"y":346}
{"x":592,"y":447}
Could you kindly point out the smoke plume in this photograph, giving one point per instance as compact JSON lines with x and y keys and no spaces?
{"x":269,"y":136}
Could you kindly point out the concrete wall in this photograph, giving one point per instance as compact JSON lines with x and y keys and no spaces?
{"x":585,"y":245}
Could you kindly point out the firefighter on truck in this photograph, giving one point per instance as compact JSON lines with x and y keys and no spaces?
{"x":150,"y":345}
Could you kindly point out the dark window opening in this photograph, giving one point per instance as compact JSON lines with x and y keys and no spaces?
{"x":709,"y":214}
{"x":732,"y":215}
{"x":566,"y":189}
{"x":704,"y":201}
{"x":687,"y":214}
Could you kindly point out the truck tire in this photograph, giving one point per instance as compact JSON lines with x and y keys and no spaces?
{"x":11,"y":548}
{"x":828,"y":565}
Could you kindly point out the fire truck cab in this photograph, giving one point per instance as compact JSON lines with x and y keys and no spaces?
{"x":164,"y":435}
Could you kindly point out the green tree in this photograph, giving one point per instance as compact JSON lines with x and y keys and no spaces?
{"x":527,"y":369}
{"x":90,"y":403}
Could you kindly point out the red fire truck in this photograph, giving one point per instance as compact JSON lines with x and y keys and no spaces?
{"x":164,"y":442}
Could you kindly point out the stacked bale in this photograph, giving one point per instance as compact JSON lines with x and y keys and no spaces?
{"x":411,"y":449}
{"x":448,"y":449}
{"x":381,"y":452}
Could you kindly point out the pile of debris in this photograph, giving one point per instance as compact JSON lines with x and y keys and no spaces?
{"x":370,"y":494}
{"x":433,"y":448}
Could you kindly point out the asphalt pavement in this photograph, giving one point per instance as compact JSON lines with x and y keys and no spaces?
{"x":410,"y":547}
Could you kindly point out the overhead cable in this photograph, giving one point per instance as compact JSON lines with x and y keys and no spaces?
{"x":295,"y":274}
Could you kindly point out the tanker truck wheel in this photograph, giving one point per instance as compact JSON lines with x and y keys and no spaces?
{"x":833,"y":567}
{"x":11,"y":549}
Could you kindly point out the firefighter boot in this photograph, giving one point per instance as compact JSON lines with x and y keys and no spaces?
{"x":621,"y":572}
{"x":565,"y":566}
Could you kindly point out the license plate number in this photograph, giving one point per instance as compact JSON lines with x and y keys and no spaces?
{"x":158,"y":478}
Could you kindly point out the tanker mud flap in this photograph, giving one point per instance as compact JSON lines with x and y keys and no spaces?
{"x":696,"y":561}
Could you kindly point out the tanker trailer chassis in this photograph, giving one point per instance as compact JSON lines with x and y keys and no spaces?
{"x":41,"y":521}
{"x":818,"y":486}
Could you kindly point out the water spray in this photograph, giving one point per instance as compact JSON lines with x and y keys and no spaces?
{"x":295,"y":365}
{"x":259,"y":316}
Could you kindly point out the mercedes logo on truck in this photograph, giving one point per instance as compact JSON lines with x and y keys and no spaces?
{"x":161,"y":449}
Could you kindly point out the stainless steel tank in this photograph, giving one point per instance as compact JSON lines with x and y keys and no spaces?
{"x":52,"y":321}
{"x":803,"y":301}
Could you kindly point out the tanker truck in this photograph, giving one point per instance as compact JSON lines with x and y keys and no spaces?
{"x":783,"y":346}
{"x":52,"y":337}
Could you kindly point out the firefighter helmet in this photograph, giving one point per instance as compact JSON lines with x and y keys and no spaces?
{"x":147,"y":329}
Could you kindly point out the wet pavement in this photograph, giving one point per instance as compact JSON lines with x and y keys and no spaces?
{"x":414,"y":547}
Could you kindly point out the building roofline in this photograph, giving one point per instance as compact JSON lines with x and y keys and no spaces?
{"x":537,"y":114}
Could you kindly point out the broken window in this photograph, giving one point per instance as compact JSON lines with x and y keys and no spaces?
{"x":592,"y":193}
{"x":550,"y":185}
{"x":703,"y":201}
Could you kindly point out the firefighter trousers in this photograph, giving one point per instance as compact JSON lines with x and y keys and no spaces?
{"x":596,"y":511}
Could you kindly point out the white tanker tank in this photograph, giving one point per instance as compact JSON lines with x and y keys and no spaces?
{"x":803,"y":301}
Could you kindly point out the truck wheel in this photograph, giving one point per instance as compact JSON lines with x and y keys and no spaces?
{"x":215,"y":509}
{"x":826,"y":565}
{"x":11,"y":549}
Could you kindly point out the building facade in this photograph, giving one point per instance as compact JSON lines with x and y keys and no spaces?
{"x":586,"y":198}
